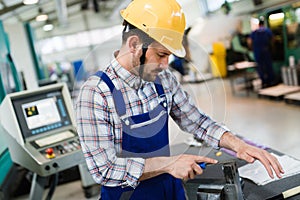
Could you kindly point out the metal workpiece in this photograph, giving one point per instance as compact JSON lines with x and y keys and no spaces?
{"x":233,"y":186}
{"x":229,"y":188}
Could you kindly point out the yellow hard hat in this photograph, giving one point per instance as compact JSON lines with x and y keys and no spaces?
{"x":162,"y":20}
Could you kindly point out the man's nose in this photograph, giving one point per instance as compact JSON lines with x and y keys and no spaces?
{"x":164,"y":63}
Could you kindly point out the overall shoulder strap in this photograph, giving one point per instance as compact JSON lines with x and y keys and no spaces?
{"x":159,"y":88}
{"x":117,"y":94}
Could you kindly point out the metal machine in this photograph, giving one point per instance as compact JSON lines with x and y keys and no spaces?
{"x":41,"y":133}
{"x":217,"y":189}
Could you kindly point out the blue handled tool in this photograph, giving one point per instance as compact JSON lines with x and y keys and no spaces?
{"x":202,"y":165}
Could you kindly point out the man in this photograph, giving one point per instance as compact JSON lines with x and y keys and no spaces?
{"x":260,"y":41}
{"x":122,"y":112}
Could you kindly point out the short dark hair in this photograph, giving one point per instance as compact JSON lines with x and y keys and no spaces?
{"x":261,"y":21}
{"x":130,"y":30}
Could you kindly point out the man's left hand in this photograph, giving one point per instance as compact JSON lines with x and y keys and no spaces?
{"x":251,"y":153}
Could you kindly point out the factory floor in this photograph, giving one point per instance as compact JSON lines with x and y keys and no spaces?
{"x":270,"y":122}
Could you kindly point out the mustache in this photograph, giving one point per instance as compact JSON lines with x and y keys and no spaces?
{"x":158,"y":70}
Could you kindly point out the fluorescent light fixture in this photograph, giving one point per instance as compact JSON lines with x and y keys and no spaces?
{"x":41,"y":18}
{"x":48,"y":27}
{"x":276,"y":16}
{"x":29,"y":2}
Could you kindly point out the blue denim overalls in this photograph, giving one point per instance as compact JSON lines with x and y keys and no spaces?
{"x":144,"y":135}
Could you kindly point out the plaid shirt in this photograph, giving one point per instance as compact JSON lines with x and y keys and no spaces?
{"x":100,"y":130}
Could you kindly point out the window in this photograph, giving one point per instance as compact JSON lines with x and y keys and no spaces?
{"x":214,"y":5}
{"x":77,"y":40}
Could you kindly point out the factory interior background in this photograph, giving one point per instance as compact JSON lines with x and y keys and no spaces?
{"x":78,"y":37}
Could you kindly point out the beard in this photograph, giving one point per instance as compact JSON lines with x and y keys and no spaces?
{"x":147,"y":72}
{"x":150,"y":75}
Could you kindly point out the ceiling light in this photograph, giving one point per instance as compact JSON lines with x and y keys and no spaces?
{"x":42,"y":16}
{"x":48,"y":26}
{"x":29,"y":2}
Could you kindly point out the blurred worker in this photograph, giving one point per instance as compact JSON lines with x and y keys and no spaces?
{"x":260,"y":41}
{"x":239,"y":50}
{"x":122,"y":112}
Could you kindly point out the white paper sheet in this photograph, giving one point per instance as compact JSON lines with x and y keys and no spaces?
{"x":258,"y":174}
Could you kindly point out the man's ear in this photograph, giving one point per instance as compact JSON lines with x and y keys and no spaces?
{"x":133,"y":43}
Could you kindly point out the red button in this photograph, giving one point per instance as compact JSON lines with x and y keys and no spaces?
{"x":49,"y":151}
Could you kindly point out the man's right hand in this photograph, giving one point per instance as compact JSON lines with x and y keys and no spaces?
{"x":183,"y":166}
{"x":186,"y":166}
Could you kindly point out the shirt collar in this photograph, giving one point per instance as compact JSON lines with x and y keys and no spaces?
{"x":132,"y":80}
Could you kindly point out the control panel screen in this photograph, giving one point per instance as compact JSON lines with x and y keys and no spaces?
{"x":41,"y":112}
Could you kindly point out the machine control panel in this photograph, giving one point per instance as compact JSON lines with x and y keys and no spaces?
{"x":40,"y":129}
{"x":61,"y":149}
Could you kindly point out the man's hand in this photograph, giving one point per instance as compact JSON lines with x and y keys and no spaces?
{"x":183,"y":166}
{"x":251,"y":153}
{"x":187,"y":166}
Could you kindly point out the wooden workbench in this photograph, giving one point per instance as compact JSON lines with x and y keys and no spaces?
{"x":278,"y":91}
